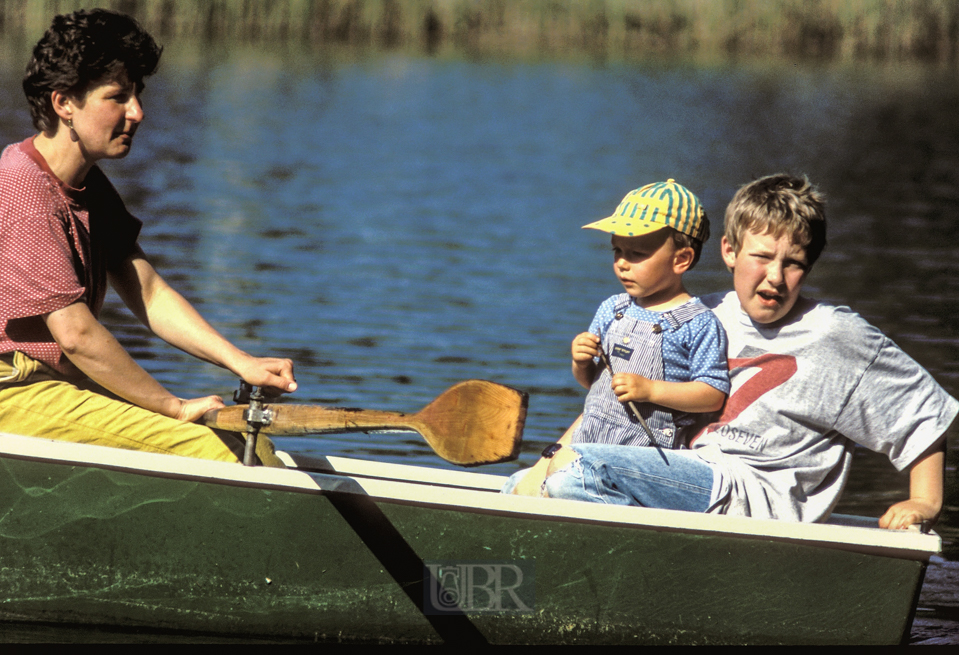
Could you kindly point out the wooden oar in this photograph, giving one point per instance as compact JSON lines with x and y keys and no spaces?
{"x":471,"y":423}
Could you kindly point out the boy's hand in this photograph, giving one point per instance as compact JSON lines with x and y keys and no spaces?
{"x":585,"y":348}
{"x":632,"y":387}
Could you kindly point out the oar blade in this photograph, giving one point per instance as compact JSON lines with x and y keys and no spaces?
{"x":475,"y":422}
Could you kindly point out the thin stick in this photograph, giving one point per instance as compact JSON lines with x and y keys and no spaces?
{"x":630,"y":405}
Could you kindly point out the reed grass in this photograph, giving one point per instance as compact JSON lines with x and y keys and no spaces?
{"x":827,"y":29}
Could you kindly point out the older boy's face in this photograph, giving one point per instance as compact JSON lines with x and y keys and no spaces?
{"x":768,"y":274}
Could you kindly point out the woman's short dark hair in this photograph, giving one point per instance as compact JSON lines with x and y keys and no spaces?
{"x":82,"y":48}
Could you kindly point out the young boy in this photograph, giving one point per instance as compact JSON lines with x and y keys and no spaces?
{"x":666,"y":349}
{"x":809,"y":382}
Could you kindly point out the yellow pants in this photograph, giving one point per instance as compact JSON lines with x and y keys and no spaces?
{"x":36,"y":401}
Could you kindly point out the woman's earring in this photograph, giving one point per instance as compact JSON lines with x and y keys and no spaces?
{"x":73,"y":133}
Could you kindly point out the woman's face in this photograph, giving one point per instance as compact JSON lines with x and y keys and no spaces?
{"x":107,"y":117}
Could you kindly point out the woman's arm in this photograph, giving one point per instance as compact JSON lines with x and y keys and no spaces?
{"x":92,"y":349}
{"x":172,"y":318}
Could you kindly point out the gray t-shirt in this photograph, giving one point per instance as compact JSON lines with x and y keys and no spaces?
{"x":803,"y":394}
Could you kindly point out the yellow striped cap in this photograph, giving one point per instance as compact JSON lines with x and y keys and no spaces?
{"x":653,"y":207}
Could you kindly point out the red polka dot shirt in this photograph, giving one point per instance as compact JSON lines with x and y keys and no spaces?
{"x":56,"y":246}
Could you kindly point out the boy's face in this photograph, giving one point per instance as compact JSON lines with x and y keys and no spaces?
{"x":768,"y":274}
{"x":650,"y":267}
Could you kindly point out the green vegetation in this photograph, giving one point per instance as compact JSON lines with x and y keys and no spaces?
{"x":926,"y":30}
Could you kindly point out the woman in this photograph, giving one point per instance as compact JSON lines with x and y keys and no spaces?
{"x":64,"y":232}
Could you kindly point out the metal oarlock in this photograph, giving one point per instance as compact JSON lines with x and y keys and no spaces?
{"x":256,"y":416}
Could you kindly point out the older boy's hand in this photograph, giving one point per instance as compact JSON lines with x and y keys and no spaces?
{"x":632,"y":387}
{"x":909,"y":512}
{"x":925,"y":491}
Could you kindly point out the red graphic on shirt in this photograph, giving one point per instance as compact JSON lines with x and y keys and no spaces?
{"x":773,"y":371}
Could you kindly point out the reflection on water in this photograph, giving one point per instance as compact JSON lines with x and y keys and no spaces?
{"x":395,"y":225}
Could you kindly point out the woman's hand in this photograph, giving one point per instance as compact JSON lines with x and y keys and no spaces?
{"x":191,"y":410}
{"x":273,"y":375}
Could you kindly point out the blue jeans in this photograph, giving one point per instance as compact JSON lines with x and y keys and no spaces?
{"x":633,"y":475}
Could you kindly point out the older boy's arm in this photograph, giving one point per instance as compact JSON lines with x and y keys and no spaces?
{"x":694,"y":397}
{"x":925,"y":491}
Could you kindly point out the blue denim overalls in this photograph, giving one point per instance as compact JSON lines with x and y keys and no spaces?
{"x":634,"y":346}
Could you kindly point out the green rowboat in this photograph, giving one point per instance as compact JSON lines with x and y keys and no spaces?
{"x":357,"y":551}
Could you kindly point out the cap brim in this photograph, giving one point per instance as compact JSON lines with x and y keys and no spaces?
{"x":625,"y":227}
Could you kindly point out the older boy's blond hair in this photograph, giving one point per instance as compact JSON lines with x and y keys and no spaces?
{"x":779,"y":205}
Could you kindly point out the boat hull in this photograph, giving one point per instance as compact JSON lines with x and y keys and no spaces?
{"x":138,"y":541}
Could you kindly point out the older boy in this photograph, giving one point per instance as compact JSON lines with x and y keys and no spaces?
{"x":809,"y":382}
{"x":666,"y":351}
